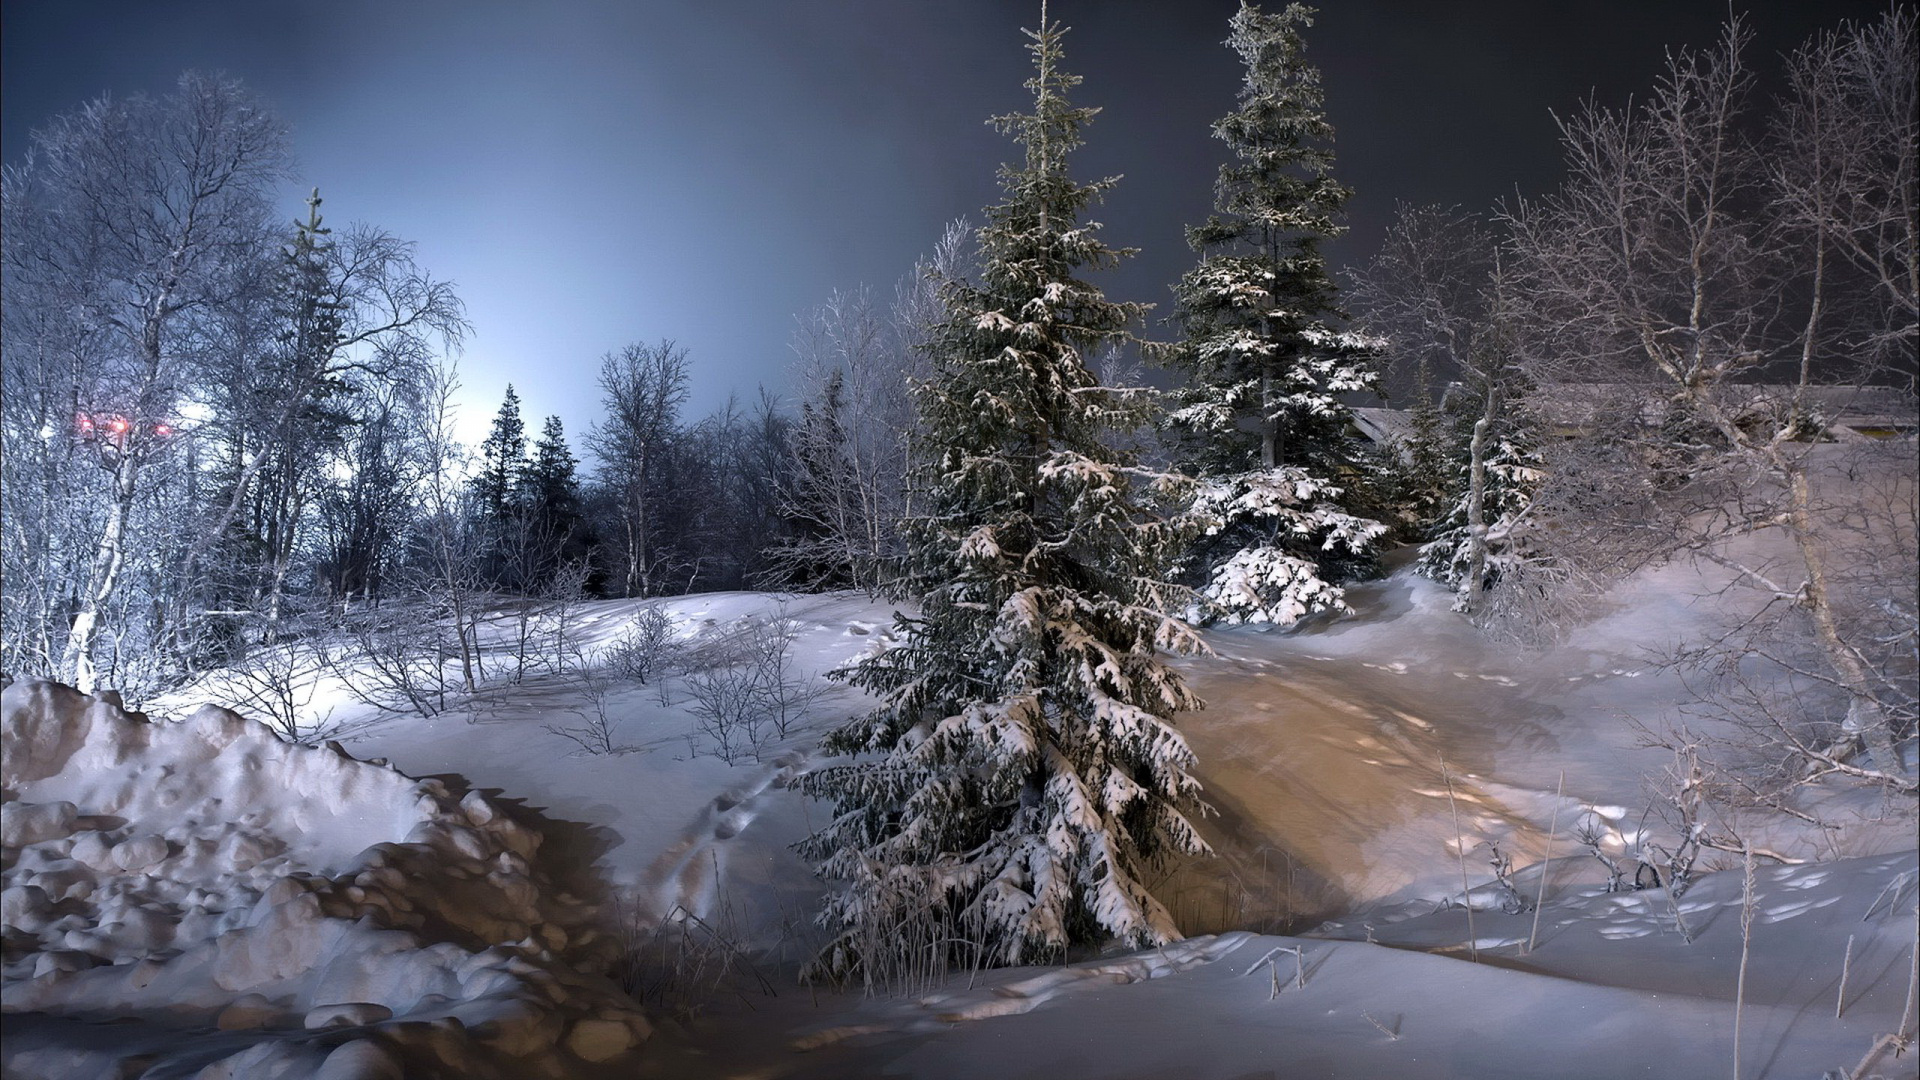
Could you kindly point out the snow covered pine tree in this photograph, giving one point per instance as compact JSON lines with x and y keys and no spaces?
{"x":1024,"y":773}
{"x":1266,"y":359}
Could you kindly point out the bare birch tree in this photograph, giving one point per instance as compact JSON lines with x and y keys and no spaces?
{"x":1437,"y":293}
{"x":849,"y":449}
{"x":144,"y":219}
{"x":852,"y":445}
{"x":642,"y":389}
{"x":351,"y":314}
{"x":1670,"y":275}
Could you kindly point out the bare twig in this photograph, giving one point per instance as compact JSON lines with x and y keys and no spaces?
{"x":1746,"y":941}
{"x":1846,"y":967}
{"x":1384,"y":1029}
{"x":1460,"y":846}
{"x":1546,"y":862}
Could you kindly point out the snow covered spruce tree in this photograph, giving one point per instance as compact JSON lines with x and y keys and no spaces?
{"x":1261,"y":420}
{"x":1021,"y":774}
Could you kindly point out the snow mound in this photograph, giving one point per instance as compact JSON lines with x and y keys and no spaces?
{"x":205,"y":872}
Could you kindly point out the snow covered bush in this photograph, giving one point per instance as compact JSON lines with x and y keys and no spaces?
{"x":786,"y":696}
{"x":1274,"y":511}
{"x":595,"y":731}
{"x":278,"y":683}
{"x":726,"y":710}
{"x":396,"y":657}
{"x":646,"y":648}
{"x":749,"y":693}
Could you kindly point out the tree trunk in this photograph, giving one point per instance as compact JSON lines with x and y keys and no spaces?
{"x":1476,"y":508}
{"x":1269,"y":431}
{"x":1865,"y":715}
{"x":108,"y":559}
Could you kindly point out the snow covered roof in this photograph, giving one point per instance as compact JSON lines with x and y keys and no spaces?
{"x":1383,"y":426}
{"x":1850,"y":412}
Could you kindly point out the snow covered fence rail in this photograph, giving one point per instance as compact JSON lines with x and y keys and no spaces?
{"x":205,"y":873}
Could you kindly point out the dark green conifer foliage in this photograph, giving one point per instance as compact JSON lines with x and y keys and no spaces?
{"x":550,"y":495}
{"x":551,"y":486}
{"x":503,"y":464}
{"x":1021,"y":774}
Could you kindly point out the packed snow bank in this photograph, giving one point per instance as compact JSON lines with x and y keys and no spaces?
{"x":204,"y":873}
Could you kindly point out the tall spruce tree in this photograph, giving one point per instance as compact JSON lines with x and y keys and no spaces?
{"x":552,"y":490}
{"x":503,"y":464}
{"x":1261,"y":419}
{"x":290,"y":409}
{"x":1024,"y":773}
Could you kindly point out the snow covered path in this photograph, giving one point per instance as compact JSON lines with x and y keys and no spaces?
{"x":1338,"y":757}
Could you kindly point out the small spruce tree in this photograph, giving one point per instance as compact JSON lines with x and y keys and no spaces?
{"x":550,"y":499}
{"x":1021,"y":774}
{"x":1261,"y":420}
{"x":1512,"y":472}
{"x":256,"y":550}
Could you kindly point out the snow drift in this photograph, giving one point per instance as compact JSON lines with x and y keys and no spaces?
{"x":353,"y":920}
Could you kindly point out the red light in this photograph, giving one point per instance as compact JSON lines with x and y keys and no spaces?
{"x":118,"y":425}
{"x":83,"y":422}
{"x":162,"y":430}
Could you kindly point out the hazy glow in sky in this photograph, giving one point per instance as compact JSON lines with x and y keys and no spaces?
{"x":600,"y":172}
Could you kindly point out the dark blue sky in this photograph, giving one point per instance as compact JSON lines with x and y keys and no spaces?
{"x":598,"y":172}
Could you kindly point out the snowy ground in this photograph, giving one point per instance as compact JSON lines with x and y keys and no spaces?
{"x":213,"y":892}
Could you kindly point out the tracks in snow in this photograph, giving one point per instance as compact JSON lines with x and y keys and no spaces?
{"x":686,"y":876}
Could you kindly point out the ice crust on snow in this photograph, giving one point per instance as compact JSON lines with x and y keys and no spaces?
{"x":207,"y":872}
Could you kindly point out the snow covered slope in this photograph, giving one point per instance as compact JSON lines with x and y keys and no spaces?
{"x":187,"y":897}
{"x":1412,"y":1005}
{"x":203,"y":876}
